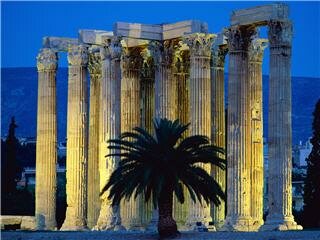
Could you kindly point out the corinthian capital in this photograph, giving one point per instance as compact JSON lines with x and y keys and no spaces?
{"x":78,"y":55}
{"x":181,"y":59}
{"x":239,"y":37}
{"x":162,"y":52}
{"x":94,"y":64}
{"x":256,"y":49}
{"x":280,"y":33}
{"x":47,"y":60}
{"x":218,"y":56}
{"x":199,"y":44}
{"x":131,"y":58}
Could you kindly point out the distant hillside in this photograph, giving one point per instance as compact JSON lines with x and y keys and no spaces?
{"x":19,"y":99}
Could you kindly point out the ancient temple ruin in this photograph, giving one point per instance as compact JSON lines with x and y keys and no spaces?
{"x":141,"y":71}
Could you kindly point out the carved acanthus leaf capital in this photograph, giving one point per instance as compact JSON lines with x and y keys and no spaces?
{"x":218,"y":56}
{"x":256,"y":49}
{"x":280,"y":33}
{"x":200,"y":44}
{"x":78,"y":55}
{"x":147,"y":69}
{"x":181,"y":60}
{"x":162,"y":52}
{"x":94,"y":64}
{"x":239,"y":37}
{"x":47,"y":60}
{"x":131,"y":58}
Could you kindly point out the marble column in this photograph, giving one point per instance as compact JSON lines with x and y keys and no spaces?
{"x":218,"y":129}
{"x":110,"y":117}
{"x":200,"y":109}
{"x":77,"y":133}
{"x":165,"y":89}
{"x":256,"y":49}
{"x":181,"y":67}
{"x":93,"y":200}
{"x":46,"y":149}
{"x":280,"y":130}
{"x":131,"y":62}
{"x":165,"y":92}
{"x":147,"y":116}
{"x":239,"y":132}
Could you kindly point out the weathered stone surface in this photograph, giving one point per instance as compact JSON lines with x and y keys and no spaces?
{"x":280,"y":130}
{"x":77,"y":133}
{"x":59,"y":44}
{"x":159,"y":31}
{"x":200,"y":108}
{"x":109,"y":128}
{"x":96,"y":37}
{"x":256,"y":50}
{"x":218,"y":135}
{"x":46,"y":148}
{"x":239,"y":132}
{"x":25,"y":222}
{"x":93,"y":199}
{"x":260,"y":15}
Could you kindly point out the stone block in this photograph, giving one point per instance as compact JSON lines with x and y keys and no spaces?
{"x":159,"y":31}
{"x":96,"y":37}
{"x":59,"y":44}
{"x":137,"y":30}
{"x":28,"y":223}
{"x":175,"y":30}
{"x":10,"y":220}
{"x":260,"y":15}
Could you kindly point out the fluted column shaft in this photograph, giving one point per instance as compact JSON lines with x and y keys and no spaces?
{"x":181,"y":75}
{"x":77,"y":133}
{"x":239,"y":132}
{"x":109,"y":216}
{"x":200,"y":108}
{"x":46,"y":149}
{"x":280,"y":130}
{"x":165,"y":89}
{"x":218,"y":129}
{"x":130,"y":117}
{"x":256,"y":49}
{"x":110,"y":122}
{"x":93,"y":200}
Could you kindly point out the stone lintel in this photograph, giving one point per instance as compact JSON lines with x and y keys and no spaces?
{"x":260,"y":15}
{"x":96,"y":37}
{"x":175,"y":30}
{"x":159,"y":31}
{"x":137,"y":30}
{"x":59,"y":44}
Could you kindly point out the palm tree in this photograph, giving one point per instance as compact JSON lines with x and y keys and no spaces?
{"x":159,"y":166}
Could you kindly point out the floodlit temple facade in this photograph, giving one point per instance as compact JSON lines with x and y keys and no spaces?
{"x":139,"y":72}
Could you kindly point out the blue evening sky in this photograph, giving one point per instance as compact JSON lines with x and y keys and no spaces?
{"x":25,"y":23}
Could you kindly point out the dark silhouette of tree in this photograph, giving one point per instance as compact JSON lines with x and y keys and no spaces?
{"x":10,"y":170}
{"x":311,"y":209}
{"x":159,"y":166}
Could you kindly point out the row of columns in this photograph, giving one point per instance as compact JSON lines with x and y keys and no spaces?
{"x":117,"y":92}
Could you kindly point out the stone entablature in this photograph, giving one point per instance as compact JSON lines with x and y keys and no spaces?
{"x":141,"y":71}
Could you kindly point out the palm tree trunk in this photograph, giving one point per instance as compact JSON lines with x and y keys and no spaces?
{"x":167,"y":225}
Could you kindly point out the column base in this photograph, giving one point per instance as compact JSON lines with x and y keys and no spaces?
{"x":109,"y":219}
{"x":280,"y":224}
{"x":218,"y":224}
{"x":256,"y":224}
{"x":70,"y":226}
{"x":41,"y":224}
{"x":241,"y":224}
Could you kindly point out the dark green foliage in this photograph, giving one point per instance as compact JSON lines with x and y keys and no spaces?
{"x":150,"y":165}
{"x":61,"y":199}
{"x":10,"y":170}
{"x":311,"y":212}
